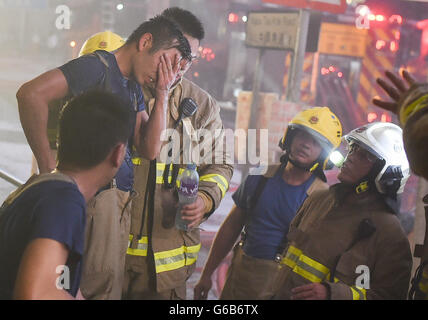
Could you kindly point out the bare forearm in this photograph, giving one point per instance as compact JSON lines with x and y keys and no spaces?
{"x":36,"y":277}
{"x":150,"y":141}
{"x":33,"y":113}
{"x":33,"y":103}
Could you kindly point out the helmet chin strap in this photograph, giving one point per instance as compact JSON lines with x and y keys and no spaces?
{"x":362,"y":187}
{"x":368,"y":182}
{"x":309,"y":168}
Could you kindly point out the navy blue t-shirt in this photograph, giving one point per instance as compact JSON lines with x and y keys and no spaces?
{"x":271,"y":218}
{"x":50,"y":209}
{"x":88,"y":72}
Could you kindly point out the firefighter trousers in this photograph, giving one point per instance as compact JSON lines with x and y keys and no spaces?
{"x":140,"y":282}
{"x":249,"y":278}
{"x":106,"y":240}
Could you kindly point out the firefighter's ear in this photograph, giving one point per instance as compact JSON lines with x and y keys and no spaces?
{"x":145,"y":42}
{"x":117,"y":155}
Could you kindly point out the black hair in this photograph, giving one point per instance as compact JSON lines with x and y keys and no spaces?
{"x":187,"y":21}
{"x":90,"y":126}
{"x":164,"y":34}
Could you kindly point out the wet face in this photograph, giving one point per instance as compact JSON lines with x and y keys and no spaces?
{"x":186,"y":64}
{"x":357,"y":165}
{"x":146,"y":63}
{"x":304,"y":148}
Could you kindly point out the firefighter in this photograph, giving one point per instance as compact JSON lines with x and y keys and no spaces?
{"x":161,"y":258}
{"x":151,"y":54}
{"x":410,"y":102}
{"x":266,"y":205}
{"x":346,"y":242}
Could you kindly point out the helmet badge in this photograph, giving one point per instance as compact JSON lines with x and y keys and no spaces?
{"x":361,"y":129}
{"x":103,"y":44}
{"x":314,"y":120}
{"x":398,"y":148}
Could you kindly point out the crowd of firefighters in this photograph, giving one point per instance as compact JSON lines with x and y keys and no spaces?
{"x":300,"y":238}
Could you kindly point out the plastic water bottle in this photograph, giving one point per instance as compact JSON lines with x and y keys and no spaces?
{"x":187,"y":193}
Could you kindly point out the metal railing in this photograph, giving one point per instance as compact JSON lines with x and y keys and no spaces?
{"x":9,"y":178}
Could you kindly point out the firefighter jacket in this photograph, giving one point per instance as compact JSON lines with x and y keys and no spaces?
{"x":153,"y":232}
{"x":251,"y":278}
{"x":419,"y":288}
{"x":327,"y":243}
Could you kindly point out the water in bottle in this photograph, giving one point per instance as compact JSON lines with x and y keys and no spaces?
{"x":187,"y":193}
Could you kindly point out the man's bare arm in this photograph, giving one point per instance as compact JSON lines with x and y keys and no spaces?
{"x":222,"y":244}
{"x":36,"y":278}
{"x":33,"y":100}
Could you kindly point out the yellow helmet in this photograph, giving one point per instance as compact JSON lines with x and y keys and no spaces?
{"x":322,"y":124}
{"x":106,"y":40}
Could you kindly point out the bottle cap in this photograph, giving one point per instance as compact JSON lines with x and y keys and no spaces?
{"x":191,"y":166}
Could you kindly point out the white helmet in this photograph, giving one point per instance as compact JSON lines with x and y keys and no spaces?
{"x":385,"y":141}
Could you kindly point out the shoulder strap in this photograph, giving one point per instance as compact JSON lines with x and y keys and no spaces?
{"x":103,"y":60}
{"x":105,"y":82}
{"x":259,"y":190}
{"x":254,"y":200}
{"x":106,"y":85}
{"x":32,"y":181}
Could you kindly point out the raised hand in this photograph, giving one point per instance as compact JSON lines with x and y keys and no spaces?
{"x":399,"y":87}
{"x":167,"y":72}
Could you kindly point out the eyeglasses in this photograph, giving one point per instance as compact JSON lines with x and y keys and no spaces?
{"x":192,"y":59}
{"x":362,"y":153}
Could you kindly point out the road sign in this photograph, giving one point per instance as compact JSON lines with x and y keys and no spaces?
{"x":272,"y":30}
{"x":333,"y":6}
{"x":340,"y":39}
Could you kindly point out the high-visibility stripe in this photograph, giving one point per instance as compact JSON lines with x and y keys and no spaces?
{"x":423,"y":283}
{"x":160,"y":168}
{"x":219,"y":180}
{"x":305,"y":266}
{"x":358,"y":293}
{"x":141,"y":249}
{"x":176,"y":258}
{"x":420,"y":103}
{"x":136,"y":161}
{"x":314,"y":271}
{"x":423,"y":287}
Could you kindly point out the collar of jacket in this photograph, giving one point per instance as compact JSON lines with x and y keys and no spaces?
{"x":341,"y":191}
{"x":174,"y":98}
{"x":316,"y":185}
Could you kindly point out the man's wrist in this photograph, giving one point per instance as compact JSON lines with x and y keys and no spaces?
{"x":207,"y":201}
{"x":161,"y":94}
